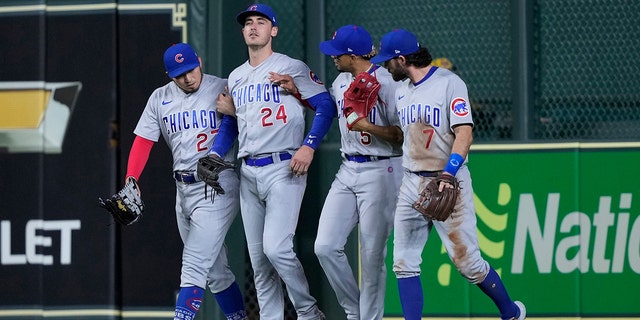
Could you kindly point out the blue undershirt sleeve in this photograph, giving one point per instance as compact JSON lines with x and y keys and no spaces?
{"x":226,"y":136}
{"x":325,"y":109}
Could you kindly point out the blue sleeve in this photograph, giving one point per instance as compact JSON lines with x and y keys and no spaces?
{"x":226,"y":136}
{"x":325,"y":112}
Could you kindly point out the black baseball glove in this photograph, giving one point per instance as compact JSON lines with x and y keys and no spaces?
{"x":436,"y":204}
{"x":126,"y":206}
{"x":209,"y":168}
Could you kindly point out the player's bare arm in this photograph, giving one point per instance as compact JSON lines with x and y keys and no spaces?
{"x":392,"y":134}
{"x":461,"y":145}
{"x":224,"y":103}
{"x":463,"y":140}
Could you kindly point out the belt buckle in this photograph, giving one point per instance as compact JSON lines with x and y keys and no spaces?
{"x":284,"y":155}
{"x":180,"y":176}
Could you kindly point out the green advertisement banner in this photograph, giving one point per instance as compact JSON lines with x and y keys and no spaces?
{"x":557,"y":222}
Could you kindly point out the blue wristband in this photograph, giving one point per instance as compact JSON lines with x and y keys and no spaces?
{"x":454,"y":163}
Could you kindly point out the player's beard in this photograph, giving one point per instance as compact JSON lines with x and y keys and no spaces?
{"x":399,"y":76}
{"x":192,"y":88}
{"x":398,"y":73}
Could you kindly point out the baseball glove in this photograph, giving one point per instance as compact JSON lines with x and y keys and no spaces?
{"x":360,"y":98}
{"x":437,"y":205}
{"x":126,"y":206}
{"x":209,"y":168}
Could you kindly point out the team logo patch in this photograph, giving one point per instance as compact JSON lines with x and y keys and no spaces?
{"x":194,"y":303}
{"x":315,"y":78}
{"x":179,"y":58}
{"x":460,"y":107}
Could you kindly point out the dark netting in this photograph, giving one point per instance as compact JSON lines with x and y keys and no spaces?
{"x":251,"y":298}
{"x":474,"y":35}
{"x":587,"y":82}
{"x":584,"y":65}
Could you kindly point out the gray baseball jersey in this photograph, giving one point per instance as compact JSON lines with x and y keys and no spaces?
{"x":271,"y":128}
{"x":188,"y":122}
{"x":383,"y":114}
{"x":364,"y":192}
{"x":269,"y":119}
{"x":428,"y":110}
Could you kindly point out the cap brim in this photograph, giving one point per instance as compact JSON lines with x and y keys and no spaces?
{"x":183,"y":69}
{"x":379,"y":58}
{"x":327,"y":48}
{"x":242,"y":16}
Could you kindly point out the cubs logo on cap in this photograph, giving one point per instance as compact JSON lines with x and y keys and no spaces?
{"x":257,"y":9}
{"x":180,"y":58}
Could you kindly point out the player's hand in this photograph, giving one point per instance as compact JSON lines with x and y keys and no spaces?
{"x":224,"y":103}
{"x":128,"y":179}
{"x":444,"y":184}
{"x":302,"y":160}
{"x":285,"y":81}
{"x":362,"y":125}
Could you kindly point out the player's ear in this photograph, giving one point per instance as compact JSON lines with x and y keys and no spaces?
{"x":274,"y":31}
{"x":200,"y":59}
{"x":402,"y":60}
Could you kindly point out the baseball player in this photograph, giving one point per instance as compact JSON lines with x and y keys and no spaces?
{"x":275,"y":158}
{"x":434,"y":113}
{"x":365,"y":189}
{"x":183,"y":112}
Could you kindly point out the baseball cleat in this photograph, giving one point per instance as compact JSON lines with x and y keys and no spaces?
{"x":523,"y":311}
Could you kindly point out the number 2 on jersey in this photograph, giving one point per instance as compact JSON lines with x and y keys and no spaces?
{"x":202,"y":140}
{"x":281,"y":115}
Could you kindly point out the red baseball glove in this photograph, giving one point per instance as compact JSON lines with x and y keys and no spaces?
{"x":360,"y":98}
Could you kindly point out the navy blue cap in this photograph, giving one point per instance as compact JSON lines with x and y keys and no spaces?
{"x":350,"y":39}
{"x":396,"y":43}
{"x":259,"y":9}
{"x":180,"y":58}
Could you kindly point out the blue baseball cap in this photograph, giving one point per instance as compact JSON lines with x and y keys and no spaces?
{"x":257,"y":9}
{"x":350,"y":39}
{"x":396,"y":43}
{"x":180,"y":58}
